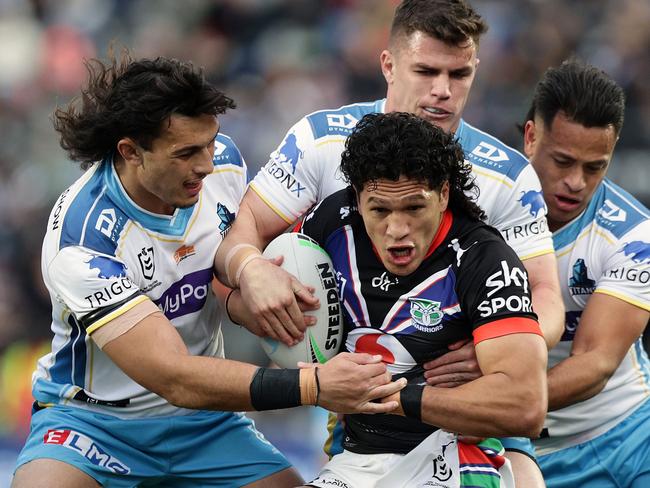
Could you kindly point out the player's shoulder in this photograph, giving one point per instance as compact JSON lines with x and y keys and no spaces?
{"x":617,"y":210}
{"x":332,"y":213}
{"x":84,"y":214}
{"x":340,"y":121}
{"x":226,"y":152}
{"x":612,"y":213}
{"x":486,"y":151}
{"x":477,"y":241}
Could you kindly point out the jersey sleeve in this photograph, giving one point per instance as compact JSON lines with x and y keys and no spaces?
{"x":230,"y":164}
{"x":626,"y":272}
{"x":520,"y":214}
{"x":328,"y":216}
{"x":94,"y":287}
{"x":289,"y":181}
{"x":493,"y":290}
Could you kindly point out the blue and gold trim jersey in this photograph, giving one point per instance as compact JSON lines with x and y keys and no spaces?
{"x":606,"y":250}
{"x":304,"y":170}
{"x":103,"y":254}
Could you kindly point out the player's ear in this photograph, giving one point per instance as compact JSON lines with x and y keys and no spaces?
{"x":129,"y":151}
{"x":530,"y":136}
{"x":444,"y":195}
{"x":387,"y":65}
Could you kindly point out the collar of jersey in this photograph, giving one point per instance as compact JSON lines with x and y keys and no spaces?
{"x":460,"y":130}
{"x":441,"y":233}
{"x":174,"y":225}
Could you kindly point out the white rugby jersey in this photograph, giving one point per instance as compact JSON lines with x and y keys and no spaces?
{"x":305,"y":169}
{"x":103,"y":254}
{"x":604,"y":250}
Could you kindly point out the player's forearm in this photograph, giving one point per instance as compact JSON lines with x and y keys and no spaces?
{"x":548,"y":305}
{"x":578,"y":378}
{"x":494,"y":405}
{"x":205,"y":383}
{"x":243,"y":236}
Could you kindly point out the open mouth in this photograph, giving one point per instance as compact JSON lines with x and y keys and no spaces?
{"x":401,"y":254}
{"x":567,"y":203}
{"x":436,"y":111}
{"x":193,"y":187}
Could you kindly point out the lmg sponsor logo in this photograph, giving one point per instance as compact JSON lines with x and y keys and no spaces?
{"x":86,"y":447}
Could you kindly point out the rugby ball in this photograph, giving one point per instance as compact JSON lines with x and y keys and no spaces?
{"x":311,"y":265}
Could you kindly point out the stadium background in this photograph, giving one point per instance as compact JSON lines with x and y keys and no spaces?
{"x":279,"y":59}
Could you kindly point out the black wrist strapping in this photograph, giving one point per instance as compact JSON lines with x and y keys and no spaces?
{"x":275,"y":388}
{"x":411,"y":399}
{"x":226,"y":306}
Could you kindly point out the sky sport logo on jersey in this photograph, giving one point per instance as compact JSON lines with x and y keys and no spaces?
{"x":85,"y":447}
{"x":505,"y":278}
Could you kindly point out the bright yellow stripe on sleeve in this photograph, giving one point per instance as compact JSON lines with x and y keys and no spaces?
{"x":536,"y":254}
{"x":116,"y":313}
{"x":625,"y":298}
{"x":337,"y":140}
{"x":217,"y":170}
{"x":476,"y":169}
{"x":288,"y":220}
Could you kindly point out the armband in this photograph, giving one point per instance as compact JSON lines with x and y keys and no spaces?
{"x":275,"y":388}
{"x":410,"y":398}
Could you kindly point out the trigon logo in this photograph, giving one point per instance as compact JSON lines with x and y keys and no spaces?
{"x":488,"y":151}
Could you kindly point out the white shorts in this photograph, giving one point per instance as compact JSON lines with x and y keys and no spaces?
{"x":439,"y":461}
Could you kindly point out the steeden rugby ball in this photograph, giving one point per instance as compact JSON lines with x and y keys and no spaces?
{"x":311,"y":265}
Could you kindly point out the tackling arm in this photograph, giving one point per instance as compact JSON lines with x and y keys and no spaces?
{"x":546,"y":296}
{"x":348,"y":382}
{"x":270,"y":292}
{"x":608,"y":328}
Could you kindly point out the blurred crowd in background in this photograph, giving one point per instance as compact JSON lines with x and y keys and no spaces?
{"x":279,"y":60}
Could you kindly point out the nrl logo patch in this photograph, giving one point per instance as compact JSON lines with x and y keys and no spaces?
{"x":426,"y":314}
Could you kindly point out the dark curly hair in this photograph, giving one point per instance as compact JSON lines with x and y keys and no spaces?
{"x":132,"y":98}
{"x":453,"y":22}
{"x":387,"y":146}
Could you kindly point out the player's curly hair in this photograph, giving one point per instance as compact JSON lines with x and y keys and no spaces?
{"x":453,"y":22}
{"x":387,"y":146}
{"x":132,"y":98}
